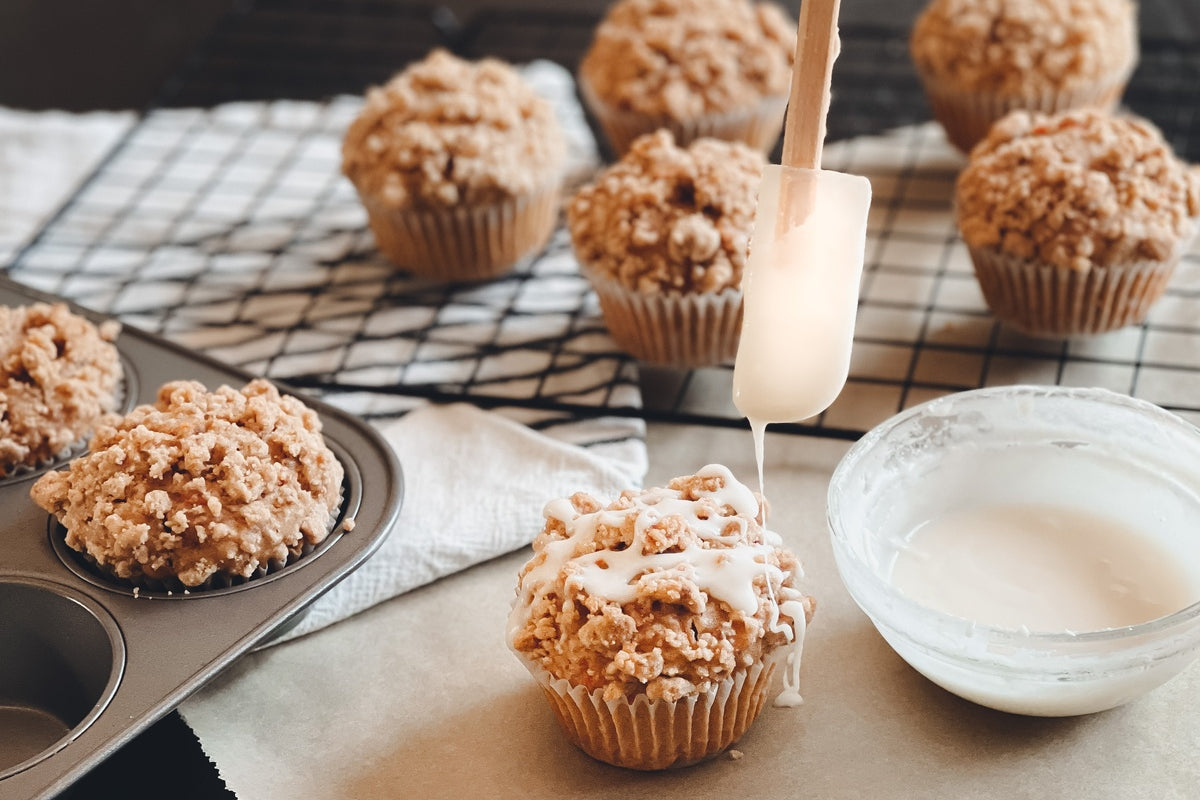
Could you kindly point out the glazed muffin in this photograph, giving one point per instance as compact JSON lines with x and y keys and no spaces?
{"x":663,"y":236}
{"x":719,"y":68}
{"x":60,"y":375}
{"x":200,"y":488}
{"x":654,"y":624}
{"x":459,"y":165}
{"x":980,"y":59}
{"x":1075,"y":222}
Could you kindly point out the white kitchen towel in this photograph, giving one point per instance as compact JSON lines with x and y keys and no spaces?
{"x":475,"y":483}
{"x":43,"y":157}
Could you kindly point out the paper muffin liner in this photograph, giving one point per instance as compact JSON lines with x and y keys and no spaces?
{"x":466,"y":243}
{"x":758,"y":126}
{"x":646,"y":734}
{"x":675,"y":329}
{"x":1045,"y":300}
{"x":966,"y":116}
{"x":218,"y":580}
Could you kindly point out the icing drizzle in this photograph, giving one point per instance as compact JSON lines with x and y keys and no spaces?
{"x":723,"y":572}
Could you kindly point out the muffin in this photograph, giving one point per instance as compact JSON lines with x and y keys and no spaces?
{"x":980,"y":59}
{"x":459,"y":165}
{"x":200,"y":489}
{"x":1075,"y":221}
{"x":60,"y":374}
{"x":663,"y":236}
{"x":654,"y":625}
{"x":719,"y":68}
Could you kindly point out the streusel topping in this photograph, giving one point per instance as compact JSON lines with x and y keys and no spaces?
{"x":1023,"y":46}
{"x":685,"y":58}
{"x":664,"y":592}
{"x":1077,"y":190}
{"x":670,"y":219}
{"x":446,"y":131}
{"x":199,"y":483}
{"x":58,"y":376}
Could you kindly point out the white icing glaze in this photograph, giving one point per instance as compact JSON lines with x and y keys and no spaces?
{"x":724,"y":573}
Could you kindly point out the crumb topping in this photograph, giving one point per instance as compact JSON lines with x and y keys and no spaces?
{"x":198,"y":483}
{"x":670,"y":219}
{"x":685,"y":58}
{"x":58,"y":376}
{"x":1077,"y":190}
{"x":1022,"y":46}
{"x":665,"y":591}
{"x":447,"y":131}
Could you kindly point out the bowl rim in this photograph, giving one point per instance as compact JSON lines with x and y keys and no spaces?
{"x":1032,"y":640}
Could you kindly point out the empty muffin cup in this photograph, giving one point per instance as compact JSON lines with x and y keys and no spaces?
{"x":61,"y":659}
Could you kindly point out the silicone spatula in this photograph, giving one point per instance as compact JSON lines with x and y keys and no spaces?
{"x":802,"y":276}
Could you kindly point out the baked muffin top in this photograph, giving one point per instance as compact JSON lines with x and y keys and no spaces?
{"x":1077,"y":190}
{"x":199,"y":483}
{"x":1023,"y":46}
{"x":58,"y":376}
{"x":685,"y":58}
{"x":446,"y":131}
{"x":666,"y":591}
{"x":670,"y":219}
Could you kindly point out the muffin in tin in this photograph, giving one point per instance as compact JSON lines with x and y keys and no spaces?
{"x":1075,"y":222}
{"x":980,"y":59}
{"x":655,"y":624}
{"x":716,"y":68}
{"x":199,"y":489}
{"x":59,"y":375}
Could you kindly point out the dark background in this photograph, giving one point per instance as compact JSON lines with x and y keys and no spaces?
{"x":84,"y":54}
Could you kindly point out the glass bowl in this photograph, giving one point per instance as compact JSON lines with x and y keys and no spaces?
{"x":1124,"y":459}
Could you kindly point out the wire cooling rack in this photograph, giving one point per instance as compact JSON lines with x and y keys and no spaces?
{"x":230,"y":230}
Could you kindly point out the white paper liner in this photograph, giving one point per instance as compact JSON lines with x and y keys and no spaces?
{"x":758,"y":126}
{"x":466,"y":243}
{"x":1049,"y":301}
{"x":966,"y":116}
{"x":218,"y":580}
{"x":676,"y":329}
{"x":649,"y":734}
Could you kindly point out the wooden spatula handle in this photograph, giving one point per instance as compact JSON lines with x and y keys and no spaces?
{"x":817,"y":47}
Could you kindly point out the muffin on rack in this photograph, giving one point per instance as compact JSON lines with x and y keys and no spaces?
{"x":654,"y":624}
{"x":60,"y":375}
{"x":203,"y":488}
{"x":717,"y":68}
{"x":663,"y":236}
{"x":1075,"y":221}
{"x":980,"y":59}
{"x":459,"y":165}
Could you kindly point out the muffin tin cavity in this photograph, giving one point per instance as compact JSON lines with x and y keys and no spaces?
{"x":87,"y":569}
{"x":61,"y":660}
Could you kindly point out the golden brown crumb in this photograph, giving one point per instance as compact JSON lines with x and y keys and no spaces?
{"x":684,"y":58}
{"x":666,"y":218}
{"x":1077,"y":190}
{"x":1025,"y":46}
{"x":58,"y":376}
{"x":673,"y":635}
{"x":447,"y":131}
{"x":199,"y":483}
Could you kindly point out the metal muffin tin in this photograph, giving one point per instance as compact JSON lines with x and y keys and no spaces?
{"x":85,"y":661}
